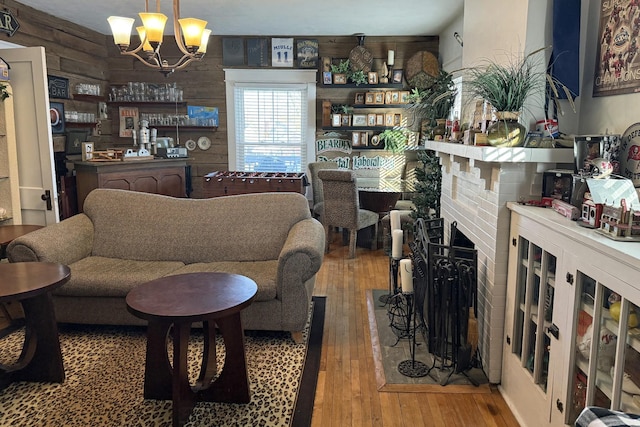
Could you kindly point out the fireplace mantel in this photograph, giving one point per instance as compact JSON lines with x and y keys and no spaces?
{"x":502,"y":155}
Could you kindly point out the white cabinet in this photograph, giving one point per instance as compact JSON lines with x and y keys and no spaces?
{"x":9,"y":190}
{"x":566,"y":285}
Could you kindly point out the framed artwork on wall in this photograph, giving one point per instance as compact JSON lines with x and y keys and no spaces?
{"x":617,"y":62}
{"x":282,"y":52}
{"x":56,"y":117}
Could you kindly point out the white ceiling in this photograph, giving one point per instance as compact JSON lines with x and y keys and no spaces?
{"x":275,"y":17}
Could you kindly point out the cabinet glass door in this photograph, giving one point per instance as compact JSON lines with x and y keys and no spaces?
{"x":534,"y":312}
{"x":606,"y":374}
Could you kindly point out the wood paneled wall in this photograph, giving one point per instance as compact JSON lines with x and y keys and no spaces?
{"x":84,"y":56}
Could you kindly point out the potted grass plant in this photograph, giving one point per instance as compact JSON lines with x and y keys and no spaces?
{"x":507,"y":87}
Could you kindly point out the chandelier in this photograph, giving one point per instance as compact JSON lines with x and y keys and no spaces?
{"x":190,"y":35}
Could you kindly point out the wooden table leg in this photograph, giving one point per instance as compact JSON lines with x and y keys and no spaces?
{"x":184,"y":399}
{"x":209,"y":366}
{"x":157,"y":371}
{"x":232,"y":385}
{"x":41,"y":357}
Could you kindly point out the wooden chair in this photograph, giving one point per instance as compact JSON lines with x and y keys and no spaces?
{"x":342,"y":207}
{"x":316,"y":185}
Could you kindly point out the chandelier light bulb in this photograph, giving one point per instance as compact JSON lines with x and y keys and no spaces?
{"x":154,"y":26}
{"x":142,"y":34}
{"x":204,"y":41}
{"x":121,"y":30}
{"x":192,"y":29}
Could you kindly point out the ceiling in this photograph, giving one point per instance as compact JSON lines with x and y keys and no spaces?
{"x":275,"y":17}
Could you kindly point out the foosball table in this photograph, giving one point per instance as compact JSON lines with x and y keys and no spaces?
{"x":230,"y":183}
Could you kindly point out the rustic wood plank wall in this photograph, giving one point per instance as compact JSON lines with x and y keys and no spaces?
{"x":85,"y":56}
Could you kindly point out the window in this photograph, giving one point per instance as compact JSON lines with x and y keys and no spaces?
{"x":271,"y":119}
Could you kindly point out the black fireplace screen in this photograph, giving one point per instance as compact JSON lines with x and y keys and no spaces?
{"x":445,"y":286}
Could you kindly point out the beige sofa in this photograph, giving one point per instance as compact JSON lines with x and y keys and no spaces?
{"x":125,"y":238}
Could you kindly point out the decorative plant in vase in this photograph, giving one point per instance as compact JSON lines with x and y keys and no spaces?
{"x":341,"y":70}
{"x":507,"y":87}
{"x":432,"y":105}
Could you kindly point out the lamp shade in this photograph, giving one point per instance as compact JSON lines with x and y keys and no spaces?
{"x":205,"y":41}
{"x":154,"y":26}
{"x":192,"y":29}
{"x":142,"y":33}
{"x":121,"y":29}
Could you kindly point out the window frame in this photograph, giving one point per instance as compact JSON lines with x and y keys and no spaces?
{"x":278,"y":78}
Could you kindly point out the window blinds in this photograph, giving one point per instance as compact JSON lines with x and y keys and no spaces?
{"x":270,"y":127}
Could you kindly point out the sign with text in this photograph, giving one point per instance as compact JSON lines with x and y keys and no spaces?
{"x":8,"y":23}
{"x":58,"y":87}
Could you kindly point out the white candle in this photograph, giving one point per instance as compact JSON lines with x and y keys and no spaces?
{"x":390,"y":57}
{"x":396,"y":243}
{"x":406,"y":276}
{"x":395,"y":220}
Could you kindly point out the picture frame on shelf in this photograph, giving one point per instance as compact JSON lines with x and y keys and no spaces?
{"x":395,"y":97}
{"x":371,"y":119}
{"x":369,"y":98}
{"x":340,"y":79}
{"x":258,"y":52}
{"x":404,"y":96}
{"x":396,"y":77}
{"x":375,"y":140}
{"x":359,"y":120}
{"x":336,"y":120}
{"x":380,"y":119}
{"x":373,"y":77}
{"x":327,"y":78}
{"x":388,"y":119}
{"x":355,"y":139}
{"x":387,"y":97}
{"x":346,"y":119}
{"x":74,"y":140}
{"x":378,"y":98}
{"x":364,"y":139}
{"x":397,"y":119}
{"x":359,"y":99}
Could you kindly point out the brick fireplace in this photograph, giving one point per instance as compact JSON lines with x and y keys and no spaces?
{"x":477,"y":183}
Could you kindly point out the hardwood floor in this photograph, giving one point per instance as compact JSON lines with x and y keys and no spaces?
{"x":347,"y":394}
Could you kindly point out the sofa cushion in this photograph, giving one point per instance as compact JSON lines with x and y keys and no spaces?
{"x":110,"y":277}
{"x":262,"y":272}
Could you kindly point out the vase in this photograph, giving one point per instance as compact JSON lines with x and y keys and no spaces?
{"x":506,"y":131}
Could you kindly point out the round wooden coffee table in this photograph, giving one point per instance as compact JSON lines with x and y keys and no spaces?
{"x":31,"y":284}
{"x":174,"y":303}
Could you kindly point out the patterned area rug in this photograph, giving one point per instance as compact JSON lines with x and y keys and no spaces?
{"x":104,"y":368}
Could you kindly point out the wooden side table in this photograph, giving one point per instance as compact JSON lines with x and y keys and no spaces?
{"x":178,"y":301}
{"x":31,"y":284}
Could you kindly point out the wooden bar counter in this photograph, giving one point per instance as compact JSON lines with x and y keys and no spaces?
{"x":158,"y":176}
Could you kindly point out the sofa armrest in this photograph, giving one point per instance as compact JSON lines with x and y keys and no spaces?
{"x":301,"y":256}
{"x":65,"y":242}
